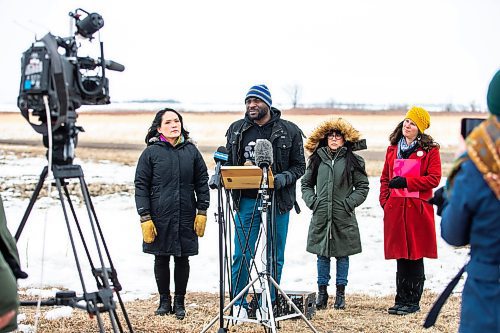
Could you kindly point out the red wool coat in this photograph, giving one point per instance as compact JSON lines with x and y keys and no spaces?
{"x":409,"y":228}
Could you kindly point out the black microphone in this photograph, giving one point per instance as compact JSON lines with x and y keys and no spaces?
{"x":263,"y":153}
{"x":220,"y":156}
{"x":114,"y":66}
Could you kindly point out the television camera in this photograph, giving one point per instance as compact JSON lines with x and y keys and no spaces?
{"x":55,"y":82}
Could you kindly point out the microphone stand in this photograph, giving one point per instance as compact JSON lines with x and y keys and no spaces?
{"x":215,"y":182}
{"x":267,"y":318}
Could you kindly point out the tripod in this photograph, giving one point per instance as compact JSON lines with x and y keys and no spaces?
{"x":106,"y":278}
{"x":265,"y":278}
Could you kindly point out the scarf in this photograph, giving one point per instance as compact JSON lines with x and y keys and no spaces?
{"x":404,"y":149}
{"x":483,"y":148}
{"x":179,"y":140}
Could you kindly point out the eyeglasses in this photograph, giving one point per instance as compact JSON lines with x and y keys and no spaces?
{"x":334,"y":136}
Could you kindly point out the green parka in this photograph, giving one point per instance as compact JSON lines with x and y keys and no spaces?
{"x":333,"y":231}
{"x":8,"y":286}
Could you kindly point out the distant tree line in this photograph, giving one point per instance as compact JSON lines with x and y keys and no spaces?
{"x":294,"y":92}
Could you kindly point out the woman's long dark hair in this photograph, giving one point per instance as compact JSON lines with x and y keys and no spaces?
{"x":351,"y":164}
{"x":153,"y":129}
{"x":424,"y":140}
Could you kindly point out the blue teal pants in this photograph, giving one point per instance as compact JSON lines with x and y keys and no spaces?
{"x":324,"y":270}
{"x":245,"y":229}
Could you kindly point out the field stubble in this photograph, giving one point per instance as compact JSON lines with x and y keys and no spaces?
{"x":119,"y":136}
{"x":363,"y":313}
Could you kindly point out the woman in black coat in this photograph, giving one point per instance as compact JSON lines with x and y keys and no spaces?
{"x":172,"y":197}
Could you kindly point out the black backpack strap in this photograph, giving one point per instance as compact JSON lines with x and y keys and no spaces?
{"x":434,"y":311}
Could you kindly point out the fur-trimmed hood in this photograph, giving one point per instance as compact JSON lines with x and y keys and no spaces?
{"x":337,"y":124}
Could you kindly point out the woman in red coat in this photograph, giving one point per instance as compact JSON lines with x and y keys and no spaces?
{"x":412,"y":169}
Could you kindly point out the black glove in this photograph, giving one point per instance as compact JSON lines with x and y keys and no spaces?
{"x":398,"y":182}
{"x":279,"y":181}
{"x":16,"y":270}
{"x":439,"y":199}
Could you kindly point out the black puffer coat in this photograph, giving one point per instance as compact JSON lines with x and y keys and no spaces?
{"x":170,"y":184}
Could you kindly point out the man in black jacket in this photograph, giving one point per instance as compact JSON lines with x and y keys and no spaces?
{"x":262,"y":121}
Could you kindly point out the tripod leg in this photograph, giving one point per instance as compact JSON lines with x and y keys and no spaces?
{"x":124,"y":312}
{"x":80,"y":232}
{"x":86,"y":198}
{"x":100,"y":324}
{"x":102,"y":300}
{"x":220,"y":215}
{"x":59,"y":186}
{"x":266,"y":300}
{"x":105,"y":276}
{"x":241,"y":293}
{"x":292,"y":304}
{"x":114,"y":278}
{"x":33,"y":198}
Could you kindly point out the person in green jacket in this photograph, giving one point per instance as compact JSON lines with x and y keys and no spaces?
{"x":10,"y":271}
{"x":335,"y":183}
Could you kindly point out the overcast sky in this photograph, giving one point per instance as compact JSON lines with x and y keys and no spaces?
{"x":356,"y":51}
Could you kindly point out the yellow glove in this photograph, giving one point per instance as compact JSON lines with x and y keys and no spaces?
{"x":148,"y":229}
{"x":200,"y":222}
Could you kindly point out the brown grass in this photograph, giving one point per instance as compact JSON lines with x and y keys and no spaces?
{"x":362,"y":314}
{"x":119,"y":136}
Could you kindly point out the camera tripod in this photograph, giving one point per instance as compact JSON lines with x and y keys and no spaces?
{"x":101,"y":301}
{"x":264,"y":277}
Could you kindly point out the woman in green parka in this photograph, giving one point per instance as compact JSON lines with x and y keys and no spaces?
{"x":335,"y":183}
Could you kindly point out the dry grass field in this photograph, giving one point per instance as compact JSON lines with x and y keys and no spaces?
{"x":362,"y":314}
{"x":119,"y":136}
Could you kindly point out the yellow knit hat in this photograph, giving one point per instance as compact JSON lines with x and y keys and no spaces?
{"x":419,"y":116}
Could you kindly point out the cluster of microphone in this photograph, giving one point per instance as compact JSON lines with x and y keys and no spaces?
{"x":220,"y":156}
{"x":263,"y":159}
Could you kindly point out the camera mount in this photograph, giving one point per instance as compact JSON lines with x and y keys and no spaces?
{"x":51,"y":67}
{"x":53,"y":86}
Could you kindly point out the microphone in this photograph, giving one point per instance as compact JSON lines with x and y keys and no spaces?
{"x":263,"y":153}
{"x":220,"y":156}
{"x":114,"y":66}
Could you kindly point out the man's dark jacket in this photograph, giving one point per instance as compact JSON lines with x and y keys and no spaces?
{"x":288,"y":155}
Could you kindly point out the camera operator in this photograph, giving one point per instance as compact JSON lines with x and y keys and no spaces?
{"x":9,"y":272}
{"x":471,"y":215}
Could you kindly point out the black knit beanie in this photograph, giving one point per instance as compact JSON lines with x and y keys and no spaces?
{"x":493,"y":97}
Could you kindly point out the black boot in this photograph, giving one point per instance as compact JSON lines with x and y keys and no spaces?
{"x":179,"y":309}
{"x":165,"y":306}
{"x":414,"y":287}
{"x":340,"y":298}
{"x":398,"y":301}
{"x":322,"y":300}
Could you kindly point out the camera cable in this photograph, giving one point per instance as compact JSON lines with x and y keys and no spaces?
{"x":49,"y":189}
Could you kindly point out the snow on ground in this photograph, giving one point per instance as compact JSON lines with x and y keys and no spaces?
{"x":369,"y":272}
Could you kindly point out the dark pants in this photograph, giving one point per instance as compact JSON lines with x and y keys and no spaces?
{"x":410,"y":268}
{"x":162,"y":274}
{"x":410,"y":279}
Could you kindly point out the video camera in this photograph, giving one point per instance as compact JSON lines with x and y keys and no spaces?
{"x":55,"y":82}
{"x":468,"y":124}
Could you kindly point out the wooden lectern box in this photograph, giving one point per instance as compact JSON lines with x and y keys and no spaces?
{"x":244,"y":177}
